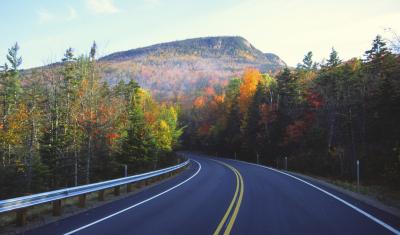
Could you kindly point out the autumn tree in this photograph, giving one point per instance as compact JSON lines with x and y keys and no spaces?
{"x":248,"y":87}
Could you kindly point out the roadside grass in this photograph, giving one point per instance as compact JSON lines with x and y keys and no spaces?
{"x":386,"y":195}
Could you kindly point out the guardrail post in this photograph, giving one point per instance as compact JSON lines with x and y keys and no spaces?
{"x":116,"y":191}
{"x":129,"y":188}
{"x":57,"y":207}
{"x":21,"y":217}
{"x":82,"y":201}
{"x":101,"y":195}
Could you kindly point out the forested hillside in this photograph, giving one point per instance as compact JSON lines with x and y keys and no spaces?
{"x":176,"y":71}
{"x":62,"y":126}
{"x":322,"y":117}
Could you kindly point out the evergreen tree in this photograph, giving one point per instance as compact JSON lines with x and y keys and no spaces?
{"x":333,"y":60}
{"x":13,"y":58}
{"x":138,"y":144}
{"x":253,"y":129}
{"x":378,"y":50}
{"x":307,"y":62}
{"x":93,"y":51}
{"x":10,"y":94}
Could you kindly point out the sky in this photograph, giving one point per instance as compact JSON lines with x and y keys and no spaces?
{"x":289,"y":28}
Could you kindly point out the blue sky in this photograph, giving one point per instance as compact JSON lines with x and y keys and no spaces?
{"x":289,"y":28}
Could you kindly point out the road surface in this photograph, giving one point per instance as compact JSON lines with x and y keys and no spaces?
{"x":222,"y":196}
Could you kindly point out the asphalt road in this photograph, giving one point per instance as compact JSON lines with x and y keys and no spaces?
{"x":221,"y":196}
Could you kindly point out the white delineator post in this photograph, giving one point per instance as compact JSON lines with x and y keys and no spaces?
{"x":285,"y":163}
{"x":358,"y":175}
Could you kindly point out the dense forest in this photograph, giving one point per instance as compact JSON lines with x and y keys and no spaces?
{"x":62,"y":125}
{"x":323,"y":117}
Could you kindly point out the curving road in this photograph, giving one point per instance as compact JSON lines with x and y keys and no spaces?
{"x":222,"y":196}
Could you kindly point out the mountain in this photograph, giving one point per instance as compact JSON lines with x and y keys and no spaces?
{"x":179,"y":69}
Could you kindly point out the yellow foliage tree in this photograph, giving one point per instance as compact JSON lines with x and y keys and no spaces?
{"x":250,"y":80}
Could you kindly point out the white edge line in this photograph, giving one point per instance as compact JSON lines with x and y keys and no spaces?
{"x":373,"y":218}
{"x":137,"y":204}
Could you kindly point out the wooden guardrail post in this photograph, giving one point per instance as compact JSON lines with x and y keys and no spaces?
{"x":82,"y":201}
{"x":116,"y":191}
{"x":101,"y":195}
{"x":21,"y":217}
{"x":129,"y":188}
{"x":57,"y":207}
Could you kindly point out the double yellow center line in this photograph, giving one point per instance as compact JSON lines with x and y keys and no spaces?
{"x":233,"y":209}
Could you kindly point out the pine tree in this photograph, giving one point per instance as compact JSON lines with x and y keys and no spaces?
{"x":138,"y":142}
{"x":333,"y":60}
{"x":307,"y":62}
{"x":253,"y":128}
{"x":378,"y":50}
{"x":13,"y":57}
{"x":10,"y":94}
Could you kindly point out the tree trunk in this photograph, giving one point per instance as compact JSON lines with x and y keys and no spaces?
{"x":76,"y":161}
{"x":331,"y":129}
{"x":88,"y":157}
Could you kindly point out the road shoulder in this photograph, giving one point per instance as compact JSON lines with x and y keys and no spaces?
{"x":360,"y":197}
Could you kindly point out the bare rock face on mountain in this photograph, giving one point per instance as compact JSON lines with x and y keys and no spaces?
{"x":180,"y":69}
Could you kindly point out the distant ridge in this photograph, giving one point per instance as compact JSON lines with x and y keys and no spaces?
{"x":181,"y":68}
{"x":206,"y":47}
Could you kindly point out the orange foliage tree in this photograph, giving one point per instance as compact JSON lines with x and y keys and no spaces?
{"x":250,"y":80}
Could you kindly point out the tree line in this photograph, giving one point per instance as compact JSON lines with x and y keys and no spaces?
{"x":322,"y":117}
{"x":62,"y":125}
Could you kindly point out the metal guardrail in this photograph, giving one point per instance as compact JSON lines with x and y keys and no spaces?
{"x":28,"y":201}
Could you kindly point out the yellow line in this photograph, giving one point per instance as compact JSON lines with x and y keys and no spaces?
{"x":240,"y":189}
{"x":218,"y":230}
{"x":236,"y":211}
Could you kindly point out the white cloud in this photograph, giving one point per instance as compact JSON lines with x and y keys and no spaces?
{"x":72,"y":14}
{"x":45,"y":16}
{"x":102,"y":6}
